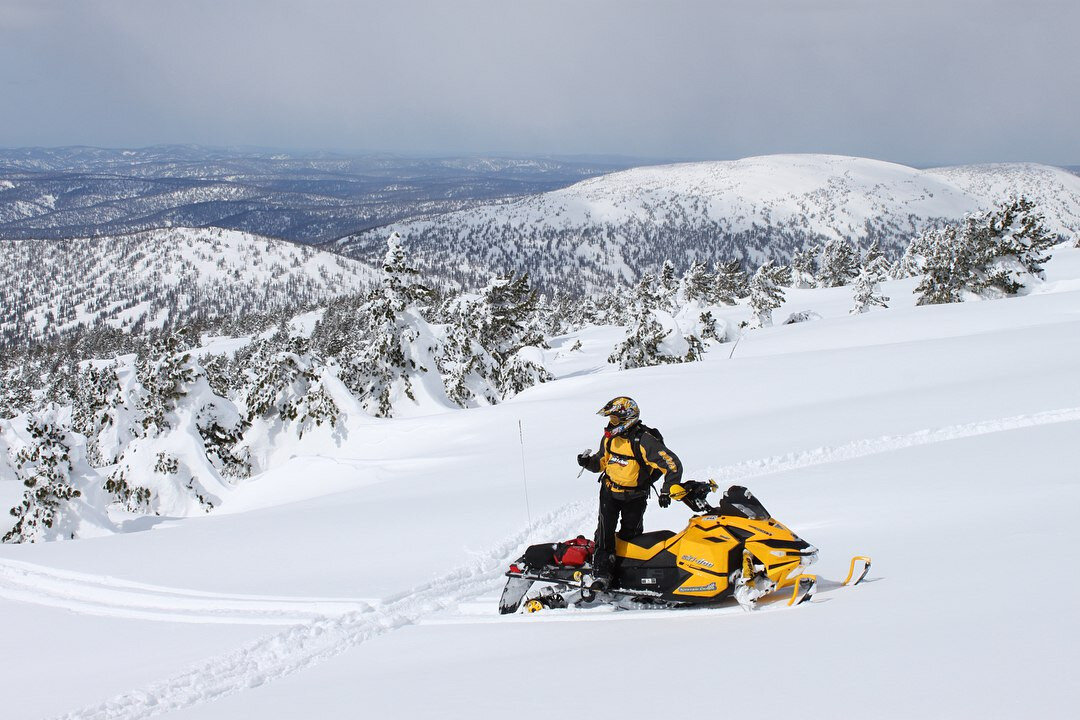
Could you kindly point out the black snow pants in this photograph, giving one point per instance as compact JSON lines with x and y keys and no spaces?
{"x":612,"y":507}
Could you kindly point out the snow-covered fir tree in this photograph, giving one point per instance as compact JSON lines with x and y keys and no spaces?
{"x":468,"y":369}
{"x":189,"y":439}
{"x":993,"y":254}
{"x":667,"y":286}
{"x":1009,"y":246}
{"x":45,"y":469}
{"x":767,"y":292}
{"x":804,"y":268}
{"x":696,"y":285}
{"x":52,"y":466}
{"x":945,"y":263}
{"x":510,"y":331}
{"x":839,"y":264}
{"x":97,"y":395}
{"x":641,"y":346}
{"x":381,"y":364}
{"x":730,"y":283}
{"x":165,"y":371}
{"x":867,"y":290}
{"x":874,"y":255}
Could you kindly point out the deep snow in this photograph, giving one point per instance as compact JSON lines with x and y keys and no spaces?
{"x":939,"y":440}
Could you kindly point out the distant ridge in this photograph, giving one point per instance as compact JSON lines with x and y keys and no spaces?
{"x":161,"y":278}
{"x":616,"y":226}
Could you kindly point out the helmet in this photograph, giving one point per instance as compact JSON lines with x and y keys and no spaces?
{"x":622,"y":412}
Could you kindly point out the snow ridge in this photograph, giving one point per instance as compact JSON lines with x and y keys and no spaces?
{"x":162,"y":277}
{"x":758,"y":208}
{"x":279,"y":655}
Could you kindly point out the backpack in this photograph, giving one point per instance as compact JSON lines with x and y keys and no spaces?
{"x":652,"y":473}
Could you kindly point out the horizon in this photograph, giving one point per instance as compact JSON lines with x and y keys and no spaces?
{"x":631,"y":160}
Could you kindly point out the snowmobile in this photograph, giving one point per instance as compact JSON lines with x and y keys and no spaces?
{"x":735,"y":550}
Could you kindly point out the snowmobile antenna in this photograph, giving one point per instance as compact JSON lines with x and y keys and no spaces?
{"x":524,"y":480}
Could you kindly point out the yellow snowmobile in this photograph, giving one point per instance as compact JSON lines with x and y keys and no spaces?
{"x":734,"y":550}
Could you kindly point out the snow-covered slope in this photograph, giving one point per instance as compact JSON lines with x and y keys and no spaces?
{"x":761,"y":207}
{"x":161,"y":276}
{"x":939,"y":440}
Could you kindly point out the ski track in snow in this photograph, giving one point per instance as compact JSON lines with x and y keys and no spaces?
{"x":277,"y":656}
{"x":113,"y":597}
{"x":887,"y":443}
{"x":302,"y":646}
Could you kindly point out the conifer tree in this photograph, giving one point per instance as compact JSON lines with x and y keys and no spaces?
{"x":839,"y":264}
{"x":641,"y":346}
{"x":804,"y":268}
{"x":766,"y":292}
{"x":1009,"y":246}
{"x":45,"y":467}
{"x":165,"y":372}
{"x":696,"y":284}
{"x":667,"y":286}
{"x":469,"y":372}
{"x":508,"y":322}
{"x":94,"y":408}
{"x":874,"y":255}
{"x":730,"y":284}
{"x":381,"y":362}
{"x":945,"y":263}
{"x":867,"y":292}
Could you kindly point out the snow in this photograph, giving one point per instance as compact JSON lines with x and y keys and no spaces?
{"x":939,"y":440}
{"x":829,"y":195}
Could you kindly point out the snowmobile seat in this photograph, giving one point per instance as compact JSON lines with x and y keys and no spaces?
{"x":649,"y":539}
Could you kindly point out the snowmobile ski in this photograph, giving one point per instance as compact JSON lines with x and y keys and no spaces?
{"x":851,"y":570}
{"x":803,"y":589}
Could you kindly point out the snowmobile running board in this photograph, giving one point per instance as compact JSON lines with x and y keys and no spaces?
{"x":851,"y":570}
{"x":803,"y":587}
{"x":580,"y":585}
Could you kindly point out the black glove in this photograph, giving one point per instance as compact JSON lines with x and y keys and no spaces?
{"x":665,"y":500}
{"x":583,"y":458}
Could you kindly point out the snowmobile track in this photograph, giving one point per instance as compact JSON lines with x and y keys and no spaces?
{"x":113,"y":597}
{"x":282,"y":654}
{"x":290,"y":651}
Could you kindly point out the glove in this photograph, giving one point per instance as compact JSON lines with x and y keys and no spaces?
{"x":583,"y":458}
{"x":665,"y":500}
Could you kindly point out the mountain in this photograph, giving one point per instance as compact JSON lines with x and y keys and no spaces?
{"x":50,"y":288}
{"x":83,"y":191}
{"x":618,"y":225}
{"x":360,"y":574}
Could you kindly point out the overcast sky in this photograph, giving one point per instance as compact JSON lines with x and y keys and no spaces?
{"x":941,"y":81}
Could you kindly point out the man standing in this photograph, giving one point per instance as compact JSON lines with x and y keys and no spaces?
{"x":632,"y":457}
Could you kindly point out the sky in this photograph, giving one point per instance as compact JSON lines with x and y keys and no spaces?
{"x":913,"y":81}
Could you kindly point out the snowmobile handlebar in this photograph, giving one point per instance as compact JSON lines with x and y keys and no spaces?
{"x":693,"y":494}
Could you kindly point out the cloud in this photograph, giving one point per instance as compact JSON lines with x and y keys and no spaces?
{"x":912,"y":81}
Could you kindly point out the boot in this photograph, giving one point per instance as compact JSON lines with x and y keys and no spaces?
{"x":602,"y":562}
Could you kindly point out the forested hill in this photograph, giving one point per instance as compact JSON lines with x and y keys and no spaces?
{"x":620,"y":225}
{"x":50,"y":289}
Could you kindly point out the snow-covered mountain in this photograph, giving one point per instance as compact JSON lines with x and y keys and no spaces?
{"x":161,"y":277}
{"x":361,"y":575}
{"x":622,"y":224}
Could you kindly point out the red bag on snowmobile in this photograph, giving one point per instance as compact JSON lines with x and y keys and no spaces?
{"x":574,"y":553}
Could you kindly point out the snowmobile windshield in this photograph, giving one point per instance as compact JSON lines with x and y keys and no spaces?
{"x":740,"y":502}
